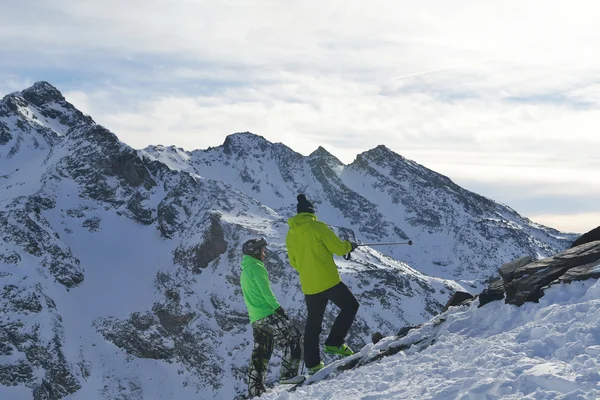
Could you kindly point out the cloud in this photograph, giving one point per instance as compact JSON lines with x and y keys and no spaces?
{"x":577,"y":222}
{"x":505,"y":93}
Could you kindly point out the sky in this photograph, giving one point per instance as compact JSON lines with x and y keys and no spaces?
{"x":502,"y":97}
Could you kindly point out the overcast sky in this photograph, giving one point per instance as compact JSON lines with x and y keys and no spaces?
{"x":502,"y":97}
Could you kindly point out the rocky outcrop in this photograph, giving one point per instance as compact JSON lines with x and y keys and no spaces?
{"x":457,"y":299}
{"x":141,"y":336}
{"x":527,"y":282}
{"x":494,"y":291}
{"x":525,"y":279}
{"x":199,"y":256}
{"x":24,"y":226}
{"x":33,"y":354}
{"x":587,"y":237}
{"x":106,"y":171}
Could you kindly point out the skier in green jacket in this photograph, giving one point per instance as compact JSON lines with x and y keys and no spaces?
{"x":311,"y":246}
{"x":269,"y":321}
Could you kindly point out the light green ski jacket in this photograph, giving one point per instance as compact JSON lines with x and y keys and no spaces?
{"x":311,"y":246}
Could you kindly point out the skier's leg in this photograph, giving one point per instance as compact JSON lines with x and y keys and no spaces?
{"x":289,"y":336}
{"x":261,"y":354}
{"x":342,"y":297}
{"x":315,"y":307}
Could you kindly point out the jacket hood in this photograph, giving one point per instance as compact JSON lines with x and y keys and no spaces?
{"x":301,"y":219}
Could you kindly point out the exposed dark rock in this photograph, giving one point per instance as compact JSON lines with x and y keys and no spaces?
{"x":587,"y":237}
{"x":140,"y":213}
{"x":459,"y":298}
{"x":95,"y":155}
{"x":42,"y":93}
{"x":237,"y":143}
{"x":507,"y":271}
{"x":494,"y":291}
{"x":5,"y":135}
{"x":199,"y":256}
{"x":356,"y":208}
{"x":141,"y":335}
{"x":174,"y":324}
{"x":43,"y":96}
{"x":27,"y":228}
{"x":41,"y":346}
{"x":21,"y":299}
{"x":92,"y":224}
{"x":529,"y":280}
{"x":227,"y":317}
{"x":404,"y":330}
{"x":13,"y":258}
{"x":582,"y":273}
{"x":19,"y":373}
{"x":57,"y":383}
{"x":173,"y":211}
{"x":38,"y":203}
{"x":76,"y":212}
{"x":377,"y":336}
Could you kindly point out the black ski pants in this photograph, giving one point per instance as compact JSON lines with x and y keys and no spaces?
{"x":342,"y":297}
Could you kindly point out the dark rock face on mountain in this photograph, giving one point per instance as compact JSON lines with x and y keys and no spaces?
{"x":117,"y":263}
{"x":52,"y":105}
{"x":26,"y":228}
{"x":590,"y":236}
{"x":24,"y":308}
{"x":36,"y":118}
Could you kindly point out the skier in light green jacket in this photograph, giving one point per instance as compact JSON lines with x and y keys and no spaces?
{"x":269,"y":322}
{"x":311,"y":246}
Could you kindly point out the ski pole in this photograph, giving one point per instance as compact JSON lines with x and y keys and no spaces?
{"x":348,"y":256}
{"x":410,"y":242}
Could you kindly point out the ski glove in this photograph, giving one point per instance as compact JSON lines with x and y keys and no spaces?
{"x":354,"y":246}
{"x":281,"y":313}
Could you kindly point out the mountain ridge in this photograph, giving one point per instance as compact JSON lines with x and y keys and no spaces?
{"x":124,"y":264}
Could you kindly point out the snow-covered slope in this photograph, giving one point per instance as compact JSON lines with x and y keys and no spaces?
{"x":120,"y":268}
{"x":382,"y":197}
{"x":549,"y":350}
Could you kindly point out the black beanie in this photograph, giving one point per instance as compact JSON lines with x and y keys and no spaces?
{"x":304,"y":205}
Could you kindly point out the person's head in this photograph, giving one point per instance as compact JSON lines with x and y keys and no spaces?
{"x":255,"y":248}
{"x":304,"y":205}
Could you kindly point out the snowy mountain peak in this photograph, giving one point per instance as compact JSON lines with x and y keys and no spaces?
{"x":382,"y":153}
{"x":243,"y":141}
{"x":121,"y":267}
{"x":42,"y":93}
{"x":321,"y":152}
{"x":39,"y":114}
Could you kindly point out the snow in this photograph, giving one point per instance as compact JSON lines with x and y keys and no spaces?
{"x":274,"y":174}
{"x":34,"y":116}
{"x":548,"y":350}
{"x":16,"y":393}
{"x":499,"y":350}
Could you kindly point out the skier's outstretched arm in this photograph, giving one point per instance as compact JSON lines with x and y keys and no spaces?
{"x":333,"y":243}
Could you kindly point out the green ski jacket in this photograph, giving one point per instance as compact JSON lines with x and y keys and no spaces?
{"x":311,"y":246}
{"x":258,"y":296}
